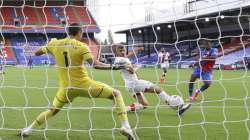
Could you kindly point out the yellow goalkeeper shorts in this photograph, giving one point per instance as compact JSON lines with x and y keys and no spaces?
{"x":89,"y":89}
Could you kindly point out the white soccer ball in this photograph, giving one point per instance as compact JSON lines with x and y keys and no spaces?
{"x":176,"y":102}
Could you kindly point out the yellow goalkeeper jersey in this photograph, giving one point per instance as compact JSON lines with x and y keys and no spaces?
{"x":69,"y":55}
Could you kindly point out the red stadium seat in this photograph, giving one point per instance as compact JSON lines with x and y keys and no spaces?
{"x":84,"y":15}
{"x":47,"y":14}
{"x":93,"y":46}
{"x":10,"y":55}
{"x":28,"y":15}
{"x":71,"y":17}
{"x":7,"y":16}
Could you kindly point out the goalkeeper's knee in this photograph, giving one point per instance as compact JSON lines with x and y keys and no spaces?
{"x":116,"y":93}
{"x":54,"y":110}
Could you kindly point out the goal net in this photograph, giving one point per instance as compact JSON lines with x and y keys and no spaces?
{"x":29,"y":83}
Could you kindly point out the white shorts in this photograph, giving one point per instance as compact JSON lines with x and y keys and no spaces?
{"x":165,"y":65}
{"x":137,"y":86}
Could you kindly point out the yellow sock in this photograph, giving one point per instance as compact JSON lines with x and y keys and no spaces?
{"x":120,"y":108}
{"x":44,"y":116}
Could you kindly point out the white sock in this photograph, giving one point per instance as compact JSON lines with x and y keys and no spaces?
{"x":164,"y":96}
{"x":29,"y":127}
{"x":125,"y":124}
{"x":27,"y":130}
{"x":138,"y":106}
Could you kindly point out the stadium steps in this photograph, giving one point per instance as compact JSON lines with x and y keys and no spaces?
{"x":19,"y":15}
{"x":32,"y":18}
{"x":70,"y":15}
{"x":39,"y":16}
{"x":84,"y":15}
{"x":10,"y":52}
{"x":98,"y":48}
{"x":51,"y":17}
{"x":93,"y":46}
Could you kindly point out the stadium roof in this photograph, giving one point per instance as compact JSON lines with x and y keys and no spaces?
{"x":177,"y":15}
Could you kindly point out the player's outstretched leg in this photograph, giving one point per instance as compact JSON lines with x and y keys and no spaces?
{"x":141,"y":103}
{"x":205,"y":86}
{"x":58,"y":103}
{"x":122,"y":115}
{"x":161,"y":93}
{"x":163,"y":76}
{"x":184,"y":108}
{"x":44,"y":116}
{"x":191,"y":87}
{"x":166,"y":98}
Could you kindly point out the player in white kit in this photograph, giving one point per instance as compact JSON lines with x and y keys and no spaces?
{"x":163,"y":60}
{"x":136,"y":87}
{"x":3,"y":57}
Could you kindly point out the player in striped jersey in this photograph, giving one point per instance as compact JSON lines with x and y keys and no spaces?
{"x":3,"y":57}
{"x":163,"y":60}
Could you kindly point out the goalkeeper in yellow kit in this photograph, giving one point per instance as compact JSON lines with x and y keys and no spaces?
{"x":69,"y":54}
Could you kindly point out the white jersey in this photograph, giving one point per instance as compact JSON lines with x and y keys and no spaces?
{"x":126,"y":75}
{"x":163,"y":57}
{"x":132,"y":83}
{"x":3,"y":57}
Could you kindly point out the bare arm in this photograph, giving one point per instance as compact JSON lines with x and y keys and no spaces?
{"x":99,"y":65}
{"x":136,"y":50}
{"x":39,"y":52}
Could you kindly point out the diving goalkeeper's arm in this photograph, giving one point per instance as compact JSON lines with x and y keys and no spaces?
{"x":99,"y":65}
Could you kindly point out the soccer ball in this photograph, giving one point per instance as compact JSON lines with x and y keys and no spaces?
{"x":175,"y":102}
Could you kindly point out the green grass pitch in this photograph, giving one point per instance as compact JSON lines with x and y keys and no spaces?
{"x":222,"y":112}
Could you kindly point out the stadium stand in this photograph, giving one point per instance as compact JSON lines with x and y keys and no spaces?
{"x":234,"y":57}
{"x":47,"y":13}
{"x":30,"y":15}
{"x":233,"y":46}
{"x":182,"y":55}
{"x":233,"y":52}
{"x":71,"y":15}
{"x":36,"y":15}
{"x":84,"y":15}
{"x":18,"y":53}
{"x":93,"y":46}
{"x":6,"y":13}
{"x":22,"y":51}
{"x":10,"y":60}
